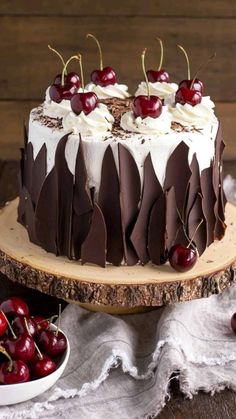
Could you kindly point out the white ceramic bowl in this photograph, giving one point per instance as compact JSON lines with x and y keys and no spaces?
{"x":17,"y":393}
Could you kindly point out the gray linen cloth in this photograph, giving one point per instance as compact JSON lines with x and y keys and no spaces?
{"x":121,"y":366}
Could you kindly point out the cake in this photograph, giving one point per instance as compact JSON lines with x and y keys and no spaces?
{"x":104,"y":183}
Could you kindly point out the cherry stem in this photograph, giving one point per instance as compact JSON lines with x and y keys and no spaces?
{"x":187,"y":60}
{"x":59,"y":321}
{"x":74,"y":57}
{"x":89,"y":35}
{"x":81,"y":71}
{"x":203,"y":65}
{"x":8,"y":324}
{"x":50,"y":319}
{"x":162,"y":53}
{"x":144,"y":71}
{"x":59,"y":55}
{"x":4,"y":352}
{"x":196,"y":229}
{"x":35,"y":345}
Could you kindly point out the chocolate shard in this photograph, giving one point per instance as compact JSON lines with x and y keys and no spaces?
{"x":152,"y":190}
{"x":130,"y":191}
{"x":174,"y":225}
{"x":30,"y":218}
{"x":220,"y":226}
{"x":208,"y":202}
{"x":196,"y":231}
{"x":46,"y":213}
{"x":25,"y":132}
{"x":65,"y":185}
{"x":193,"y":187}
{"x":157,"y":230}
{"x":39,"y":173}
{"x":82,"y":204}
{"x":109,"y":203}
{"x":28,"y":167}
{"x":21,"y":206}
{"x":178,"y":174}
{"x":94,"y":247}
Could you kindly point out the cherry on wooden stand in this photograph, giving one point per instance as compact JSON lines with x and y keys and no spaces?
{"x":147,"y":105}
{"x":14,"y":306}
{"x":85,"y":101}
{"x":183,"y":258}
{"x":106,"y":75}
{"x":159,"y":75}
{"x":53,"y":343}
{"x":13,"y":371}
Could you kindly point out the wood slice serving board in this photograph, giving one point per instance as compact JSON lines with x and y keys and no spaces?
{"x":114,"y":289}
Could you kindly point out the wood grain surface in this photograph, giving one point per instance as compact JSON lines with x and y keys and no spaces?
{"x":220,"y":406}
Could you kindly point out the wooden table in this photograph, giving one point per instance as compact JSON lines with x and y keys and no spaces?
{"x":219,"y":406}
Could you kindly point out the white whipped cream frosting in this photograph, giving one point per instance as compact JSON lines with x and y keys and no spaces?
{"x":148,"y":125}
{"x":162,"y":90}
{"x":96,"y":122}
{"x":117,"y":90}
{"x":194,"y":116}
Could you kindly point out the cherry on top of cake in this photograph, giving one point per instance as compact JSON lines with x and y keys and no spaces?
{"x":147,"y":105}
{"x":83,"y":101}
{"x":105,"y":75}
{"x":190,"y":91}
{"x":66,"y":84}
{"x":159,"y":75}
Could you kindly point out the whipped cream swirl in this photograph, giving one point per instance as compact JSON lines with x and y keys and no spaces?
{"x":148,"y":125}
{"x":162,"y":90}
{"x":194,"y":116}
{"x":96,"y":122}
{"x":119,"y":91}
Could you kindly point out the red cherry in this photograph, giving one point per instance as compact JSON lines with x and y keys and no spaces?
{"x":19,"y":326}
{"x":41,"y":366}
{"x":52,"y":343}
{"x":14,"y":372}
{"x":57,"y":92}
{"x":159,"y":75}
{"x":71,"y":78}
{"x":85,"y":102}
{"x":233,"y":322}
{"x":195,"y":85}
{"x":3,"y":324}
{"x":22,"y":347}
{"x":14,"y":306}
{"x":41,"y":323}
{"x":181,"y":258}
{"x":147,"y":106}
{"x":104,"y":77}
{"x":190,"y":96}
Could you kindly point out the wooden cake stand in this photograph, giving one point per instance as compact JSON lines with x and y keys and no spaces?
{"x":114,"y":289}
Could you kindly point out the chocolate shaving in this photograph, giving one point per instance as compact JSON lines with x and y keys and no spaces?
{"x":38,"y":173}
{"x":130,"y":190}
{"x":82,"y":204}
{"x":109,"y":203}
{"x":152,"y":190}
{"x":178,"y":174}
{"x":65,"y":198}
{"x":157,"y":230}
{"x":94,"y":247}
{"x":208,"y":202}
{"x":28,"y":167}
{"x":174,"y":226}
{"x":46,"y":213}
{"x":196,"y":231}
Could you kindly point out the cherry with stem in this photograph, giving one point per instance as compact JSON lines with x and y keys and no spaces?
{"x":105,"y":76}
{"x":13,"y":371}
{"x":147,"y":105}
{"x":160,"y":75}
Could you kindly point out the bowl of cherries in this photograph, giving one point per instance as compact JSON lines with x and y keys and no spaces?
{"x":33,"y":352}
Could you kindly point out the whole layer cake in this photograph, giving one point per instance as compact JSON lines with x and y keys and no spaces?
{"x":113,"y":186}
